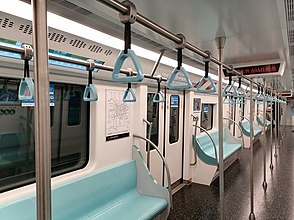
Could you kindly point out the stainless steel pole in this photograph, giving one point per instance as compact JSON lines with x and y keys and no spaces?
{"x":264,"y":184}
{"x":42,"y":111}
{"x":78,"y":62}
{"x":251,"y":216}
{"x":220,"y":45}
{"x":271,"y":139}
{"x":278,"y":124}
{"x":276,"y":127}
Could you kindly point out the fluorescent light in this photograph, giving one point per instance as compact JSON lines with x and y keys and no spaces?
{"x":24,"y":10}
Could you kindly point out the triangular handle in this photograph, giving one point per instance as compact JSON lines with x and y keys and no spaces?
{"x":26,"y":89}
{"x":202,"y":81}
{"x":241,"y":92}
{"x":173,"y":84}
{"x":230,"y":90}
{"x":158,"y":97}
{"x":90,"y":93}
{"x":116,"y":77}
{"x":129,"y":95}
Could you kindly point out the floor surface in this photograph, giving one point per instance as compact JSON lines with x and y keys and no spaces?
{"x":275,"y":203}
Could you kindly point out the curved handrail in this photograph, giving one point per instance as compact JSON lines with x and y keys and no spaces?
{"x":215,"y":151}
{"x":187,"y":84}
{"x":239,"y":129}
{"x":149,"y":137}
{"x":163,"y":160}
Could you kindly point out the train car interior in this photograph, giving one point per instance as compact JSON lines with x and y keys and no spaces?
{"x":129,"y":110}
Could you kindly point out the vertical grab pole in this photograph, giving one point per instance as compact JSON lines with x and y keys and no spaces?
{"x":42,"y":111}
{"x":276,"y":126}
{"x":271,"y":139}
{"x":220,"y":41}
{"x":264,"y":184}
{"x":251,"y":216}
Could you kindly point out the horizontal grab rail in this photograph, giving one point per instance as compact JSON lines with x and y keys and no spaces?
{"x":163,"y":160}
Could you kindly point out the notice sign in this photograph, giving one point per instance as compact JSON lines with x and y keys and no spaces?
{"x":196,"y":105}
{"x":31,"y":102}
{"x":174,"y":101}
{"x":117,"y":116}
{"x":266,"y":69}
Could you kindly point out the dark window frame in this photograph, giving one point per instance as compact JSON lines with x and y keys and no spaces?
{"x":211,"y":115}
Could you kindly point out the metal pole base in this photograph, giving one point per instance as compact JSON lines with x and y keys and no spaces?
{"x":251,"y":216}
{"x":264,"y":185}
{"x":271,"y":166}
{"x":276,"y":155}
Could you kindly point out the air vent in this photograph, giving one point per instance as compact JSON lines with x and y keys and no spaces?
{"x":95,"y":48}
{"x":77,"y":43}
{"x":5,"y":23}
{"x":26,"y":29}
{"x":107,"y":52}
{"x":56,"y":37}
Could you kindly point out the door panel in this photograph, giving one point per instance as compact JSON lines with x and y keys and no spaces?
{"x":174,"y":134}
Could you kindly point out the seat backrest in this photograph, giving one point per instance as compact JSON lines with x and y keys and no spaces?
{"x":108,"y":184}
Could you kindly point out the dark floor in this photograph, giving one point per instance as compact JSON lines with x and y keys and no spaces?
{"x":276,"y":203}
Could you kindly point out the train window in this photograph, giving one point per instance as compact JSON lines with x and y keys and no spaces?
{"x":174,"y":119}
{"x":17,"y":149}
{"x":74,"y":108}
{"x":207,"y":116}
{"x":153,"y":116}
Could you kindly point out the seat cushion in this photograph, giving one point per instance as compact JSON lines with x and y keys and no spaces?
{"x":130,"y":206}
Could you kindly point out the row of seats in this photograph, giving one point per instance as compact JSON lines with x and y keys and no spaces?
{"x":209,"y":153}
{"x":114,"y":193}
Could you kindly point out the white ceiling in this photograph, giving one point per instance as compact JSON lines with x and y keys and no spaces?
{"x":256,"y":30}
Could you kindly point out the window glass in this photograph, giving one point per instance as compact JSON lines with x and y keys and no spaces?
{"x":207,"y":116}
{"x":153,"y":116}
{"x":74,"y":108}
{"x":17,"y":134}
{"x":174,"y":119}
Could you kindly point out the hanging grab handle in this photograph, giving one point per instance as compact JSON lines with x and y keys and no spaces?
{"x":129,"y":94}
{"x":127,"y":20}
{"x":174,"y":80}
{"x":159,"y":96}
{"x":230,"y":90}
{"x":26,"y":87}
{"x":90,"y":92}
{"x":116,"y":77}
{"x":210,"y":88}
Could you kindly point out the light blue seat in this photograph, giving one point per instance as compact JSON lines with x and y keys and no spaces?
{"x":206,"y":151}
{"x":245,"y":126}
{"x":108,"y":194}
{"x":261,"y":121}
